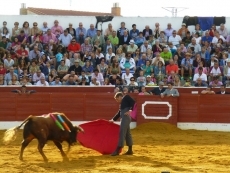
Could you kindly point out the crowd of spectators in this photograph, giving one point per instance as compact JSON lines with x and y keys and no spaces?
{"x":122,"y":56}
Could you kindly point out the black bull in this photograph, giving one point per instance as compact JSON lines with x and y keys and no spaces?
{"x":44,"y":129}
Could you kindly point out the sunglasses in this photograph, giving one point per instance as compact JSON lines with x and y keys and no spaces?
{"x":35,"y":25}
{"x":132,"y":80}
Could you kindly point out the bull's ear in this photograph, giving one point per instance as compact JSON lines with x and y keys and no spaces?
{"x":78,"y":128}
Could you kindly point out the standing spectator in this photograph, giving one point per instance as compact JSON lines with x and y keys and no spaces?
{"x":80,"y":33}
{"x":91,"y":32}
{"x":57,"y":29}
{"x":44,"y":28}
{"x":208,"y":90}
{"x":71,"y":30}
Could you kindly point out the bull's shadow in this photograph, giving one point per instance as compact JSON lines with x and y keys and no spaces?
{"x":90,"y":162}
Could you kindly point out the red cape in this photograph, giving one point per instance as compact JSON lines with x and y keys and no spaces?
{"x":100,"y":135}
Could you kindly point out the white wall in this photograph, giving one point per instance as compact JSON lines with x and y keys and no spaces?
{"x":65,"y":20}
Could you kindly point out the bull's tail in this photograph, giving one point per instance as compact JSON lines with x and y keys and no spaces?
{"x":11,"y":134}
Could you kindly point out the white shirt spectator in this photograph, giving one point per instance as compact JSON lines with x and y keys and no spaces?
{"x":8,"y":64}
{"x":215,"y":72}
{"x":197,"y":47}
{"x":65,"y":39}
{"x":67,"y":62}
{"x":126,"y":77}
{"x":99,"y":77}
{"x":108,"y":56}
{"x":41,"y":84}
{"x":198,"y":40}
{"x":215,"y":39}
{"x":37,"y":78}
{"x":203,"y":76}
{"x":98,"y":84}
{"x":175,"y":40}
{"x":144,"y":48}
{"x":224,"y":32}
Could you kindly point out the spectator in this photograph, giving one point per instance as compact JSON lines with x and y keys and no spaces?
{"x":215,"y":82}
{"x":99,"y":38}
{"x":157,"y":30}
{"x":25,"y":81}
{"x":183,"y":31}
{"x":186,"y":65}
{"x":170,"y":91}
{"x":2,"y":69}
{"x":145,"y":46}
{"x":109,"y":55}
{"x":76,"y":67}
{"x":35,"y":30}
{"x":207,"y":38}
{"x":80,"y":33}
{"x":166,"y":55}
{"x":75,"y":77}
{"x":159,"y":71}
{"x":108,"y":46}
{"x":215,"y":71}
{"x":134,"y":32}
{"x":52,"y":75}
{"x":157,"y":47}
{"x":208,"y":90}
{"x":94,"y":82}
{"x":124,"y":40}
{"x":195,"y":46}
{"x":3,"y":43}
{"x":198,"y":38}
{"x":56,"y":81}
{"x":71,"y":81}
{"x":35,"y":54}
{"x":8,"y":62}
{"x":140,"y":39}
{"x":197,"y":60}
{"x":86,"y":47}
{"x":157,"y":59}
{"x":149,"y":82}
{"x":175,"y":39}
{"x":26,"y":29}
{"x":37,"y":76}
{"x":49,"y":36}
{"x":23,"y":90}
{"x":2,"y":81}
{"x":14,"y":81}
{"x":113,"y":78}
{"x":42,"y":82}
{"x":216,"y":38}
{"x":147,"y":68}
{"x":65,"y":38}
{"x":197,"y":29}
{"x":103,"y":67}
{"x":88,"y":68}
{"x":143,"y":91}
{"x":91,"y":32}
{"x":126,"y":76}
{"x":200,"y":75}
{"x":44,"y":28}
{"x":142,"y":61}
{"x":223,"y":30}
{"x":222,"y":90}
{"x":158,"y":90}
{"x":151,"y":40}
{"x":62,"y":69}
{"x":132,"y":83}
{"x":127,"y":62}
{"x":71,"y":30}
{"x":114,"y":39}
{"x":120,"y":31}
{"x":171,"y":67}
{"x":163,"y":39}
{"x":200,"y":83}
{"x":83,"y":81}
{"x":172,"y":48}
{"x":147,"y":32}
{"x":57,"y":30}
{"x":108,"y":31}
{"x":141,"y":80}
{"x":74,"y":47}
{"x":98,"y":76}
{"x":115,"y":68}
{"x":177,"y":82}
{"x":8,"y":76}
{"x":16,"y":30}
{"x":5,"y":33}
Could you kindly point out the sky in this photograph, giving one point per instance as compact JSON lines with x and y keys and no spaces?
{"x":129,"y":8}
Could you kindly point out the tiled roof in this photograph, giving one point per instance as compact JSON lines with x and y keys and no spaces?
{"x":46,"y":11}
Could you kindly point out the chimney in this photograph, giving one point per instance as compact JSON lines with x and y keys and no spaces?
{"x":116,"y":10}
{"x":23,"y":10}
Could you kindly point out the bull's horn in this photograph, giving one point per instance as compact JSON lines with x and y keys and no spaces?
{"x":81,"y":129}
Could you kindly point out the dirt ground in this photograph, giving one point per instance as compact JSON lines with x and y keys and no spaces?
{"x":158,"y":147}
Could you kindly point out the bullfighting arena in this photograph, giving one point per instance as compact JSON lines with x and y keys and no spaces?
{"x":158,"y":147}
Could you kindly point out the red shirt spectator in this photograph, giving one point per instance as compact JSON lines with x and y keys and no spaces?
{"x":74,"y":47}
{"x":2,"y":69}
{"x":22,"y":51}
{"x":171,"y":67}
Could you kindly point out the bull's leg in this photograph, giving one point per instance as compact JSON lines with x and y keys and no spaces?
{"x":25,"y":142}
{"x":59,"y":146}
{"x":41,"y":144}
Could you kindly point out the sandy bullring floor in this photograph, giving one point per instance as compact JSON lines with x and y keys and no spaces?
{"x":158,"y":147}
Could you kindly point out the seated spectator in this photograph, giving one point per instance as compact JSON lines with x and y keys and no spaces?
{"x":200,"y":75}
{"x":175,"y":39}
{"x":108,"y":45}
{"x":76,"y":67}
{"x":70,"y":81}
{"x":208,"y":90}
{"x":157,"y":59}
{"x":171,"y":67}
{"x":134,"y":32}
{"x":113,"y":78}
{"x":16,"y":30}
{"x":98,"y":36}
{"x":140,"y":39}
{"x":211,"y":62}
{"x":223,"y":30}
{"x":114,"y":39}
{"x":195,"y":46}
{"x":141,"y":80}
{"x":159,"y":71}
{"x":147,"y":68}
{"x":37,"y":76}
{"x":5,"y":33}
{"x":223,"y":61}
{"x":65,"y":38}
{"x":145,"y":46}
{"x":3,"y":43}
{"x":177,"y":82}
{"x":176,"y":60}
{"x":56,"y":81}
{"x":22,"y":38}
{"x":149,"y":54}
{"x":62,"y":69}
{"x":183,"y":31}
{"x":109,"y":55}
{"x":8,"y":62}
{"x":149,"y":81}
{"x":158,"y":90}
{"x":142,"y":61}
{"x":147,"y":32}
{"x":42,"y":82}
{"x":127,"y":62}
{"x":103,"y":67}
{"x":86,"y":47}
{"x":187,"y":39}
{"x":91,"y":32}
{"x":33,"y":68}
{"x":227,"y":73}
{"x":49,"y":36}
{"x":25,"y":81}
{"x":35,"y":54}
{"x":197,"y":38}
{"x":94,"y":82}
{"x":24,"y":74}
{"x":205,"y":54}
{"x":52,"y":75}
{"x":132,"y":82}
{"x":15,"y":45}
{"x":126,"y":76}
{"x":162,"y":38}
{"x":8,"y":76}
{"x":84,"y":75}
{"x":143,"y":91}
{"x":217,"y":37}
{"x":187,"y":83}
{"x":166,"y":55}
{"x":186,"y":65}
{"x":124,"y":40}
{"x":222,"y":90}
{"x":205,"y":38}
{"x":151,"y":40}
{"x":80,"y":33}
{"x":132,"y":47}
{"x":197,"y":60}
{"x":200,"y":83}
{"x":2,"y":69}
{"x":172,"y":48}
{"x":57,"y":30}
{"x":83,"y":81}
{"x":106,"y":81}
{"x":14,"y":81}
{"x":215,"y":71}
{"x":170,"y":91}
{"x":215,"y":82}
{"x":98,"y":76}
{"x":74,"y":47}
